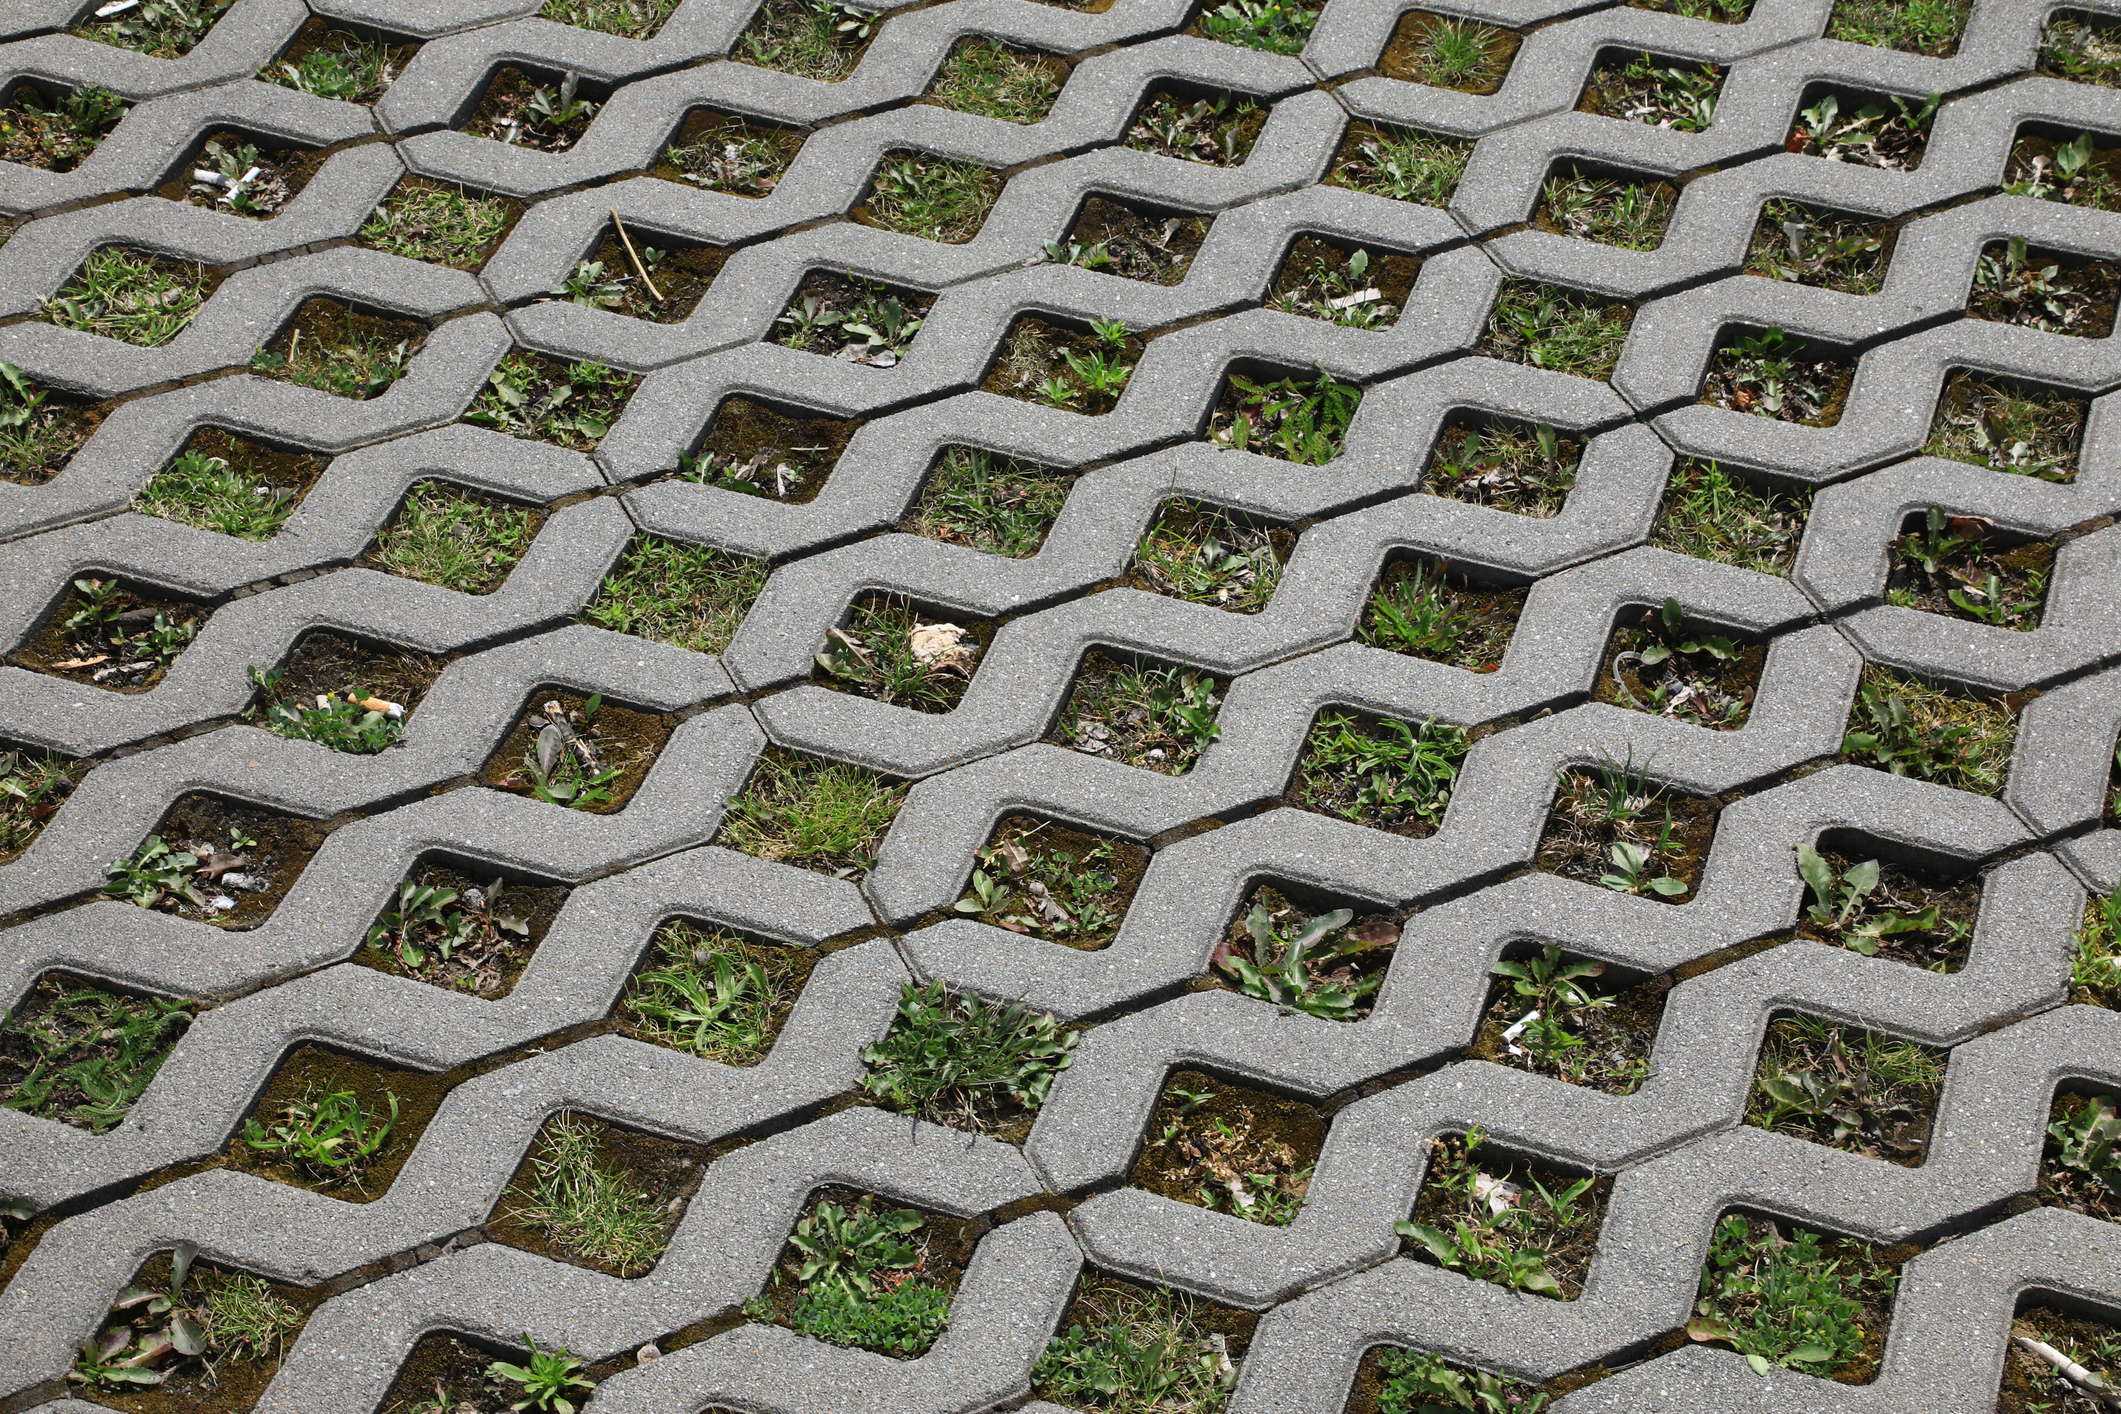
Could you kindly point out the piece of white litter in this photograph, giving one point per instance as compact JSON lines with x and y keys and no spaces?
{"x":2086,"y":1381}
{"x":221,"y":903}
{"x":1498,"y":1195}
{"x":115,"y":7}
{"x":1359,"y":297}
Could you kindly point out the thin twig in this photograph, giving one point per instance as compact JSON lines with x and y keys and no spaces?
{"x":2085,"y":1381}
{"x":638,"y":268}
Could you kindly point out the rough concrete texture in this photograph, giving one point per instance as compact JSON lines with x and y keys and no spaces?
{"x":1821,"y":578}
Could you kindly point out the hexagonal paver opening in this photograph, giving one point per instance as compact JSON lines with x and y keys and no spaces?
{"x":1394,"y":1379}
{"x":43,"y":428}
{"x":1230,"y":1148}
{"x":1902,"y":724}
{"x":1059,"y":363}
{"x":629,"y":19}
{"x":1429,"y":608}
{"x":81,"y":1051}
{"x":823,"y":42}
{"x":643,"y":275}
{"x":1052,"y":881}
{"x":1340,"y":282}
{"x":545,"y":110}
{"x":852,"y":317}
{"x":1381,"y":772}
{"x":924,"y":194}
{"x":593,"y":1194}
{"x":1127,"y":708}
{"x":578,"y":751}
{"x":2009,"y":424}
{"x":780,"y":451}
{"x":1208,"y":554}
{"x":1965,"y":567}
{"x":439,"y":223}
{"x":541,"y":399}
{"x":997,"y":80}
{"x":1611,"y":824}
{"x":1156,"y":1344}
{"x":1610,"y":205}
{"x":1548,"y":326}
{"x":2097,"y":975}
{"x":217,"y":860}
{"x":1861,"y":1091}
{"x":341,"y":691}
{"x":2051,"y":291}
{"x":2087,"y":1336}
{"x":1290,"y":414}
{"x":1196,"y":123}
{"x":1346,"y":947}
{"x":989,"y":502}
{"x":893,"y":650}
{"x":239,"y":1325}
{"x":1487,"y":460}
{"x":117,"y":634}
{"x":231,"y":485}
{"x":1406,"y":164}
{"x":33,"y":785}
{"x":1769,"y":372}
{"x":129,"y":295}
{"x":1662,"y":661}
{"x":334,"y":61}
{"x":1132,"y":240}
{"x":1732,"y":517}
{"x":1818,"y":246}
{"x":462,"y":924}
{"x":1445,"y":51}
{"x":812,"y":813}
{"x":688,"y":596}
{"x":1499,"y":1217}
{"x":882,"y":1278}
{"x":340,"y":349}
{"x":243,"y":172}
{"x":159,"y":31}
{"x":733,"y":155}
{"x":452,"y":537}
{"x":1888,"y":131}
{"x":1760,"y":1265}
{"x":1865,"y":895}
{"x":1931,"y":30}
{"x":714,"y":992}
{"x":2080,"y":1167}
{"x":380,"y":1110}
{"x":1638,"y":87}
{"x":955,"y":1059}
{"x":54,"y":128}
{"x":2081,"y":46}
{"x":1572,"y":1018}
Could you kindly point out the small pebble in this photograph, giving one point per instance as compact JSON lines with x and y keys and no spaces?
{"x":647,"y":1353}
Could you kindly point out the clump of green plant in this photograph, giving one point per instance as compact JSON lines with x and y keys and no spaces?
{"x":1526,"y":471}
{"x":2081,"y":46}
{"x":1999,"y":424}
{"x":1159,"y":719}
{"x":989,"y":502}
{"x":1228,"y":1149}
{"x":1048,"y":882}
{"x":1931,"y":27}
{"x":1809,"y":246}
{"x":1871,"y":136}
{"x":1218,"y":130}
{"x":1548,"y":327}
{"x":141,"y":299}
{"x":812,"y":39}
{"x":118,"y":638}
{"x":2083,"y":1156}
{"x":566,"y":763}
{"x":1912,"y":729}
{"x":37,"y":435}
{"x":1208,"y":555}
{"x":933,"y":197}
{"x":1402,"y":163}
{"x":1450,"y":53}
{"x":83,"y":1055}
{"x":1417,"y":1382}
{"x":887,"y":653}
{"x":473,"y":945}
{"x":231,"y":174}
{"x":1548,"y":1021}
{"x":1660,"y":92}
{"x":1416,"y":609}
{"x":1383,"y":773}
{"x":57,"y":136}
{"x":905,"y":1319}
{"x":998,"y":80}
{"x":454,"y":539}
{"x":1302,"y":964}
{"x":1497,"y":1231}
{"x":571,"y":405}
{"x":1872,"y":911}
{"x":861,"y":1278}
{"x":591,"y":1208}
{"x":1131,"y":242}
{"x":329,"y":1135}
{"x":2095,"y":973}
{"x":2076,"y":172}
{"x":1725,"y":12}
{"x":1299,"y":420}
{"x":1951,"y":565}
{"x":347,"y":354}
{"x":1612,"y":826}
{"x":1801,"y":1302}
{"x":1260,"y":24}
{"x":1321,"y":282}
{"x":857,"y":319}
{"x":209,"y":492}
{"x":957,"y":1060}
{"x":443,"y":225}
{"x":1663,"y":667}
{"x":1630,"y":215}
{"x":1771,"y":374}
{"x":522,"y":113}
{"x":341,"y":65}
{"x":1135,"y":1351}
{"x":814,"y":814}
{"x":712,"y":993}
{"x":634,"y":19}
{"x":2014,"y":286}
{"x":162,"y":29}
{"x":223,"y":1319}
{"x":1712,"y":514}
{"x":154,"y":874}
{"x":728,"y":154}
{"x":352,"y":721}
{"x":546,"y":1381}
{"x":32,"y":788}
{"x":1846,"y":1087}
{"x":689,"y":596}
